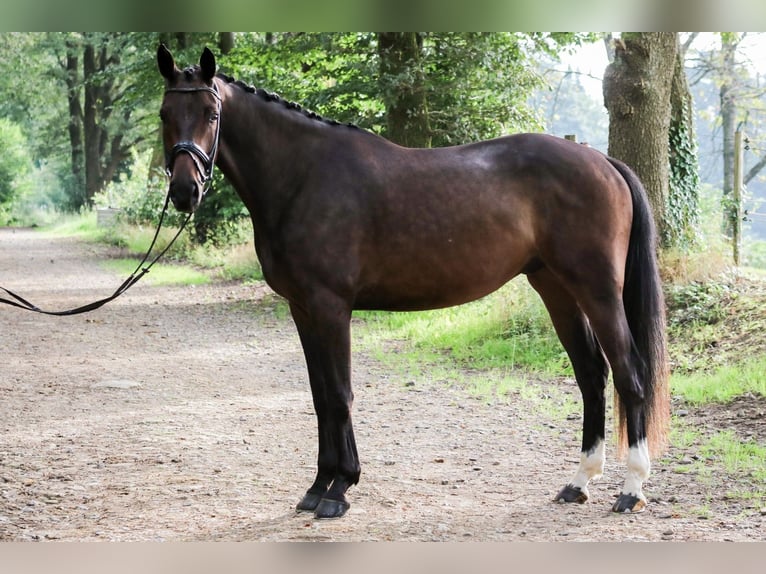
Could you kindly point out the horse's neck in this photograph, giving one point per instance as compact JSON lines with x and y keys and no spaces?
{"x":263,"y":147}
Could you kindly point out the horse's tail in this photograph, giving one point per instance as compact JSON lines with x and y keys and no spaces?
{"x":645,"y":310}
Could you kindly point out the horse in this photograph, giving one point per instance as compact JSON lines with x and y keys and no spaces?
{"x":344,"y":219}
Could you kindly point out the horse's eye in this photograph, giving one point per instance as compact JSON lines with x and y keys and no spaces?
{"x":213,"y":117}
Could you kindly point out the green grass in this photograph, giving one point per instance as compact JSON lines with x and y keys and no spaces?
{"x":82,"y":226}
{"x":507,"y":329}
{"x":234,"y":263}
{"x":723,"y":384}
{"x":160,"y":274}
{"x":738,"y":456}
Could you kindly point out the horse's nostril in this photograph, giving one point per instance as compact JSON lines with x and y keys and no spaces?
{"x":184,"y":195}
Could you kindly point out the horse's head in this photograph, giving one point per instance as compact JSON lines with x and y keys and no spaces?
{"x":190,"y":116}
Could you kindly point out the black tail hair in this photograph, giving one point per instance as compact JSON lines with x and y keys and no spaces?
{"x":644,"y":304}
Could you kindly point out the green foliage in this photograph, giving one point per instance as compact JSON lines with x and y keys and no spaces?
{"x":15,"y":164}
{"x":682,"y":212}
{"x":139,"y":194}
{"x":477,"y":84}
{"x":333,"y":74}
{"x":219,"y":218}
{"x":696,"y":303}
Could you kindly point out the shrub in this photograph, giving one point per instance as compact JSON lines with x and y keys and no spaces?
{"x":15,"y":166}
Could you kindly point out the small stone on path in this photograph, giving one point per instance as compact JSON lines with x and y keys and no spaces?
{"x":116,"y":384}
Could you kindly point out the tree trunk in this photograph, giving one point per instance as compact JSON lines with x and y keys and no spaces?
{"x":637,"y":86}
{"x":75,"y":123}
{"x":402,"y":85}
{"x":728,"y":127}
{"x":90,"y":124}
{"x":225,"y":42}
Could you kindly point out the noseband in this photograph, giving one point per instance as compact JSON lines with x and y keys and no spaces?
{"x":205,"y":162}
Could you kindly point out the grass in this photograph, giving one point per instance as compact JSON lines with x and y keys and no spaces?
{"x":82,"y":226}
{"x":495,"y":348}
{"x":737,"y":456}
{"x":161,"y":273}
{"x":508,"y":329}
{"x":235,"y":263}
{"x":724,"y":383}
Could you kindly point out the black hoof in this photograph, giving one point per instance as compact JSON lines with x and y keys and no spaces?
{"x":629,"y":504}
{"x":329,"y":508}
{"x":309,"y":502}
{"x":571,"y":493}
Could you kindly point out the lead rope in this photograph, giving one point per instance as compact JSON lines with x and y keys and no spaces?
{"x":139,"y":272}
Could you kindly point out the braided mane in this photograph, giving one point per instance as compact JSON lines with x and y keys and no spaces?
{"x":277,"y":99}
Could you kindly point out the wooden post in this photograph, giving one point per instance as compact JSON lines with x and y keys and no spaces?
{"x":737,"y":197}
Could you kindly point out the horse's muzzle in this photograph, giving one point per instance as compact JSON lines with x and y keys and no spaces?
{"x":186,"y":194}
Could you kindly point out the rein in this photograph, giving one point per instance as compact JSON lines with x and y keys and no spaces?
{"x":205,"y":163}
{"x":139,"y":272}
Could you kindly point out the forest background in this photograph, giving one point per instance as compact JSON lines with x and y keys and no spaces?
{"x":80,"y":128}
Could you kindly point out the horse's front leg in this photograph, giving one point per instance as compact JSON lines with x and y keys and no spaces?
{"x":324,"y":331}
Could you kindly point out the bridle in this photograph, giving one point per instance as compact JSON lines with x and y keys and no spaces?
{"x":205,"y":162}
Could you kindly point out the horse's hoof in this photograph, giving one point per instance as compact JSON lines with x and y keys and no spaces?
{"x":329,"y":508}
{"x":572,"y":493}
{"x":629,"y":504}
{"x":309,"y":502}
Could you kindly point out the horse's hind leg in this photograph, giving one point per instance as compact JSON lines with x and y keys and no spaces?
{"x":591,"y":372}
{"x":604,"y":308}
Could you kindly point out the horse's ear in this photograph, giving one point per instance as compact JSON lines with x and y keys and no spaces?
{"x":165,"y":62}
{"x":207,"y":65}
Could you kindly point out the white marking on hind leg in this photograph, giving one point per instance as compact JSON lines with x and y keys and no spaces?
{"x":591,"y":467}
{"x":638,"y":470}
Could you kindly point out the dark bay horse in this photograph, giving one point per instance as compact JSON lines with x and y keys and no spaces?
{"x":345,"y":220}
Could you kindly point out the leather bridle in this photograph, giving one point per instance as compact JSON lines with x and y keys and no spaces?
{"x":205,"y":162}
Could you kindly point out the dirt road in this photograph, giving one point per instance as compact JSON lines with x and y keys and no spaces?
{"x":184,"y":413}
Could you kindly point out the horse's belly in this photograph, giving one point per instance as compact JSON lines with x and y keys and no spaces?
{"x":422,"y":286}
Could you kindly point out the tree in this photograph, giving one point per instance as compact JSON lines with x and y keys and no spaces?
{"x":84,"y":99}
{"x":728,"y":96}
{"x":637,"y":89}
{"x":464,"y":86}
{"x":102,"y":131}
{"x":402,"y":86}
